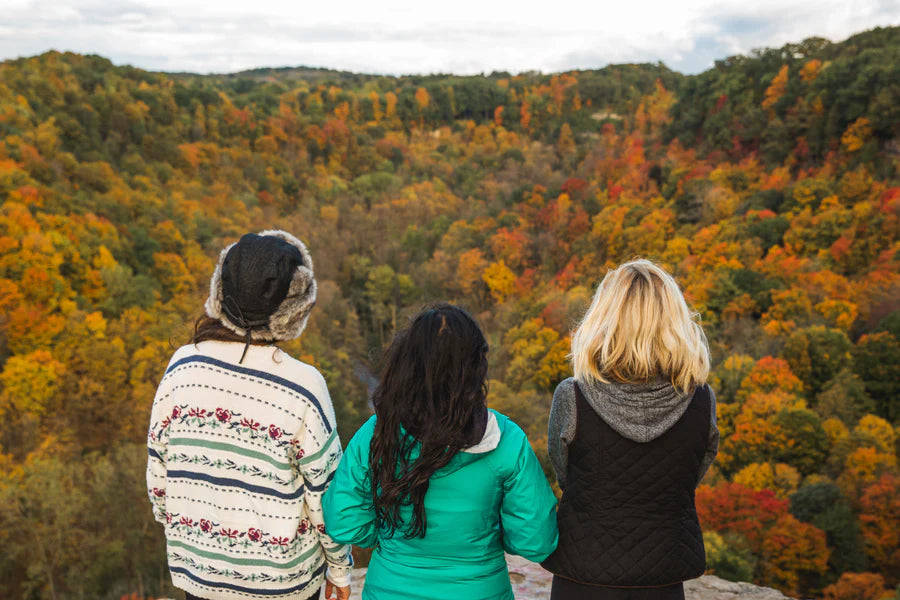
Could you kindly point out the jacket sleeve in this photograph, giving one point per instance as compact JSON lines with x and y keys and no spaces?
{"x":528,"y":509}
{"x":347,"y":505}
{"x":712,"y":445}
{"x":317,"y":458}
{"x":561,"y":428}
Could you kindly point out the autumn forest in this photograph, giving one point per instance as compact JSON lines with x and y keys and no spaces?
{"x":769,"y":185}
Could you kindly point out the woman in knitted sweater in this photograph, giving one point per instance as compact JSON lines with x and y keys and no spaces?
{"x":630,"y":437}
{"x":242,"y":441}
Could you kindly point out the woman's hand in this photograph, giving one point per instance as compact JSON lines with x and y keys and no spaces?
{"x":340,"y":593}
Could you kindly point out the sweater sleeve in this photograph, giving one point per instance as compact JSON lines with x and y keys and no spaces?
{"x":528,"y":509}
{"x":317,"y":461}
{"x":712,"y":446}
{"x":561,"y":428}
{"x":157,"y":445}
{"x":347,"y":505}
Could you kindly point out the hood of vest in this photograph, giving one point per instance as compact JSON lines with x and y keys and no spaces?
{"x":638,"y":411}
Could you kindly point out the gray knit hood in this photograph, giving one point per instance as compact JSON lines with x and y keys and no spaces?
{"x":638,"y":411}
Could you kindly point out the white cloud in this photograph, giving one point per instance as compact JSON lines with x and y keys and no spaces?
{"x":393,"y":36}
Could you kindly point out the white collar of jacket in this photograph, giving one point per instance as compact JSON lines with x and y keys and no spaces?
{"x":490,"y":439}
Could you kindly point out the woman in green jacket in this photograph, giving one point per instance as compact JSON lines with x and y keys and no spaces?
{"x":437,"y":483}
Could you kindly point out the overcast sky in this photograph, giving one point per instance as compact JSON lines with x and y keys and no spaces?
{"x":427,"y":36}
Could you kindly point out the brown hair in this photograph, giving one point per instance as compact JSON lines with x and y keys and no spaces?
{"x":208,"y":329}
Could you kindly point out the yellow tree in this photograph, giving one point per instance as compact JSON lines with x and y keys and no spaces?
{"x":30,"y":384}
{"x":422,"y":102}
{"x":390,"y":109}
{"x":781,"y":478}
{"x":469,"y":271}
{"x":376,"y":106}
{"x":565,"y":145}
{"x":537,"y":355}
{"x":856,"y":135}
{"x":776,"y":89}
{"x":500,"y":280}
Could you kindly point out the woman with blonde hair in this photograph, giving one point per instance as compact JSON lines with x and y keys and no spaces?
{"x":631,"y":436}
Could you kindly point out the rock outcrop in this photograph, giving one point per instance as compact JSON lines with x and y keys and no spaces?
{"x":710,"y":587}
{"x":531,"y":582}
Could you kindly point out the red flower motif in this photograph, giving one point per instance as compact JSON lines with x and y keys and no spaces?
{"x":229,"y":533}
{"x":274,"y":432}
{"x":197,"y":412}
{"x":158,"y":492}
{"x":205,"y":525}
{"x":168,"y":517}
{"x":321,"y":527}
{"x":300,"y":454}
{"x":176,"y":412}
{"x":187,"y":521}
{"x":166,"y":422}
{"x":279,"y":541}
{"x":304,"y":526}
{"x":254,"y":534}
{"x":250,"y":423}
{"x":222,"y":414}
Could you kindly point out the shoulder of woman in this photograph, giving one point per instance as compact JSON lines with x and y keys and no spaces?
{"x":565,"y":388}
{"x":285,"y":362}
{"x":180,"y":353}
{"x":705,"y":387}
{"x":364,"y":434}
{"x":512,"y":436}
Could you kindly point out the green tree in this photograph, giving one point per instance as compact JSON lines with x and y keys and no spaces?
{"x":816,"y":355}
{"x":844,"y":397}
{"x":729,"y":556}
{"x":876,"y":360}
{"x":823,"y":505}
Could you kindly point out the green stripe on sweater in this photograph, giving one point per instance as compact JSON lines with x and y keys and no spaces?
{"x":320,"y":451}
{"x":246,"y":562}
{"x":229,"y":448}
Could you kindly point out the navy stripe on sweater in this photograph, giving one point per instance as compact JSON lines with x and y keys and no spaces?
{"x":154,"y":454}
{"x":260,"y":375}
{"x":254,"y":590}
{"x":228,"y":482}
{"x":323,"y":485}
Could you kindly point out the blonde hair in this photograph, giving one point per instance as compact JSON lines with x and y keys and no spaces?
{"x":639,"y":327}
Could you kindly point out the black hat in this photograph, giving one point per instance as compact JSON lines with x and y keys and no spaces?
{"x":263,"y":287}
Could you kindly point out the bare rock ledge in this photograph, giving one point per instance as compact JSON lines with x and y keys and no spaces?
{"x":531,"y":582}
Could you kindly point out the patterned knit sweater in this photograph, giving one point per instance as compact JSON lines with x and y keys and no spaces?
{"x":239,"y":457}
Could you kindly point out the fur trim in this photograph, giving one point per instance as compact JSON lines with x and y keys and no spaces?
{"x":289,"y":319}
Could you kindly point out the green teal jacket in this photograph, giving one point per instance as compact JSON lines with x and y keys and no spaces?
{"x":490,"y":499}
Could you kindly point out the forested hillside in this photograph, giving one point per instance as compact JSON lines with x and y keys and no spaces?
{"x":768,"y":185}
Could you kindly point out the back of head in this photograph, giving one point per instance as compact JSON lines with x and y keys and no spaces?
{"x":432,"y":393}
{"x":261,"y":291}
{"x":639,"y":328}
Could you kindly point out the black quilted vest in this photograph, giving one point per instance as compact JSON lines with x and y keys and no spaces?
{"x":627,"y":516}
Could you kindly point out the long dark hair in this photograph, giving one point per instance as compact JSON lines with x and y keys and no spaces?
{"x":432,"y":397}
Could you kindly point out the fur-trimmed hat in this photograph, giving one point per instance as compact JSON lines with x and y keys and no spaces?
{"x":263,"y":287}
